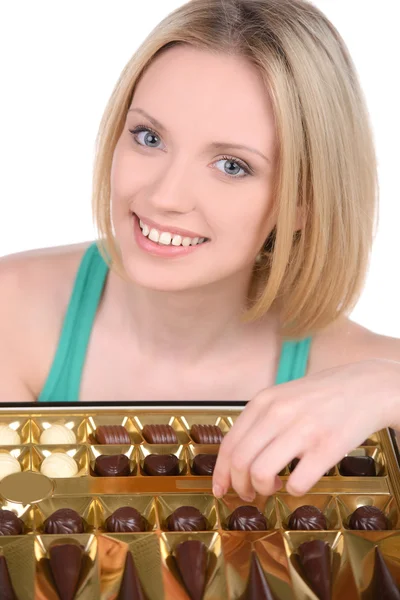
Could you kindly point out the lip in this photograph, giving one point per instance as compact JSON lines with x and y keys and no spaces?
{"x":173,"y":230}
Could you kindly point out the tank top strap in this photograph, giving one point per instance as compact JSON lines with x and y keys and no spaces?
{"x":63,"y":382}
{"x":293,"y":360}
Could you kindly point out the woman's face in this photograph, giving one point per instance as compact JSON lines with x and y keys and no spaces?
{"x":177,"y":182}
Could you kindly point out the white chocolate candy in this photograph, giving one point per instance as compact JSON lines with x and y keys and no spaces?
{"x":59,"y":464}
{"x":58,"y":434}
{"x":8,"y":465}
{"x":9,"y":437}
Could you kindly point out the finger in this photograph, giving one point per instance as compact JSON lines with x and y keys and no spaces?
{"x":312,"y":466}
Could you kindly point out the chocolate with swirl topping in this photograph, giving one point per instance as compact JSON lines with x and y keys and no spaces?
{"x":125,"y":519}
{"x":204,"y":464}
{"x":206,"y":434}
{"x":307,"y":517}
{"x":186,"y":518}
{"x":64,"y":520}
{"x":247,"y":518}
{"x":10,"y":524}
{"x":368,"y":518}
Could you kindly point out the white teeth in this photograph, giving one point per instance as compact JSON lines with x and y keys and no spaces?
{"x":165,"y":238}
{"x":194,"y":241}
{"x":145,"y":230}
{"x":201,"y":240}
{"x":186,"y":241}
{"x":154,"y":236}
{"x":176,"y":240}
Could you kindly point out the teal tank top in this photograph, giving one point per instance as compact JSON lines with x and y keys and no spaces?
{"x":63,"y":381}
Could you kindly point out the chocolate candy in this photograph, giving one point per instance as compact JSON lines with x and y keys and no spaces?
{"x":204,"y":464}
{"x":65,"y":564}
{"x":383,"y":585}
{"x":125,"y":519}
{"x":307,"y":517}
{"x":357,"y":466}
{"x":64,"y":520}
{"x":186,"y":518}
{"x":10,"y":524}
{"x":315,"y":558}
{"x":131,"y":588}
{"x":368,"y":518}
{"x":112,"y":434}
{"x":59,"y":464}
{"x":114,"y":465}
{"x":257,"y":587}
{"x":161,"y":464}
{"x":191,"y":559}
{"x":159,"y":434}
{"x":247,"y":518}
{"x":8,"y":465}
{"x":206,"y":434}
{"x":6,"y":588}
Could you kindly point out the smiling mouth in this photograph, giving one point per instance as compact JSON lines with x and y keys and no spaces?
{"x":166,"y":238}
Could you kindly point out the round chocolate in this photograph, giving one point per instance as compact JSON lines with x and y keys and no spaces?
{"x":357,"y":466}
{"x":307,"y":517}
{"x":368,"y":518}
{"x":113,"y":465}
{"x":159,"y":434}
{"x":112,"y":434}
{"x":10,"y":524}
{"x":204,"y":464}
{"x":247,"y":518}
{"x":64,"y":520}
{"x":125,"y":519}
{"x":161,"y":464}
{"x":206,"y":434}
{"x":186,"y":518}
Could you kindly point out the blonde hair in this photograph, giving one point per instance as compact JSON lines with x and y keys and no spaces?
{"x":326,"y":157}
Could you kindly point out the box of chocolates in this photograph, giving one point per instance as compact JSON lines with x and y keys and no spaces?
{"x":101,"y":502}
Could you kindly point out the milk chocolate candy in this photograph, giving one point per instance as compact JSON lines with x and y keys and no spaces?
{"x":64,"y":520}
{"x":383,"y":585}
{"x":357,"y":466}
{"x":206,"y":434}
{"x":191,"y":559}
{"x":65,"y":563}
{"x":112,"y":434}
{"x":10,"y":524}
{"x":125,"y":519}
{"x":6,"y":588}
{"x":307,"y":517}
{"x":368,"y":518}
{"x":161,"y":464}
{"x":315,"y":559}
{"x":247,"y":518}
{"x":131,"y":588}
{"x":204,"y":464}
{"x":159,"y":434}
{"x":114,"y":465}
{"x":186,"y":518}
{"x":257,"y":586}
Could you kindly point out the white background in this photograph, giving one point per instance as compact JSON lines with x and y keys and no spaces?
{"x":59,"y":63}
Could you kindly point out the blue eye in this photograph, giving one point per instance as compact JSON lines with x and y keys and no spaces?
{"x":142,"y":128}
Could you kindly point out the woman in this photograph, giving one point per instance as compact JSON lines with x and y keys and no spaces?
{"x":234,"y":194}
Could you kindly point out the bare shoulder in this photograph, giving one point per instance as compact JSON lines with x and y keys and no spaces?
{"x":345,"y":342}
{"x":36,"y":287}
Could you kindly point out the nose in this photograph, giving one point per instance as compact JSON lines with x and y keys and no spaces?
{"x":173,"y":190}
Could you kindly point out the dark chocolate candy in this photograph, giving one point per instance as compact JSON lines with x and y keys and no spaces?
{"x":204,"y":464}
{"x":357,"y":466}
{"x":315,"y":559}
{"x":161,"y":464}
{"x":257,"y":586}
{"x":307,"y":517}
{"x":125,"y":519}
{"x":113,"y":465}
{"x":368,"y":518}
{"x":383,"y":585}
{"x":6,"y":588}
{"x":159,"y":434}
{"x":186,"y":518}
{"x":247,"y":518}
{"x":112,"y":434}
{"x":206,"y":434}
{"x":131,"y":588}
{"x":10,"y":524}
{"x":65,"y":564}
{"x":191,"y":559}
{"x":64,"y":520}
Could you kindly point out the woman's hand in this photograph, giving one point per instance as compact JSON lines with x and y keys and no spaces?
{"x":318,"y":419}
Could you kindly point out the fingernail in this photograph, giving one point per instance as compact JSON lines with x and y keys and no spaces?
{"x":218,"y":491}
{"x":248,"y":498}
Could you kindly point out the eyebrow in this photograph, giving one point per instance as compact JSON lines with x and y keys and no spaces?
{"x":214,"y":145}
